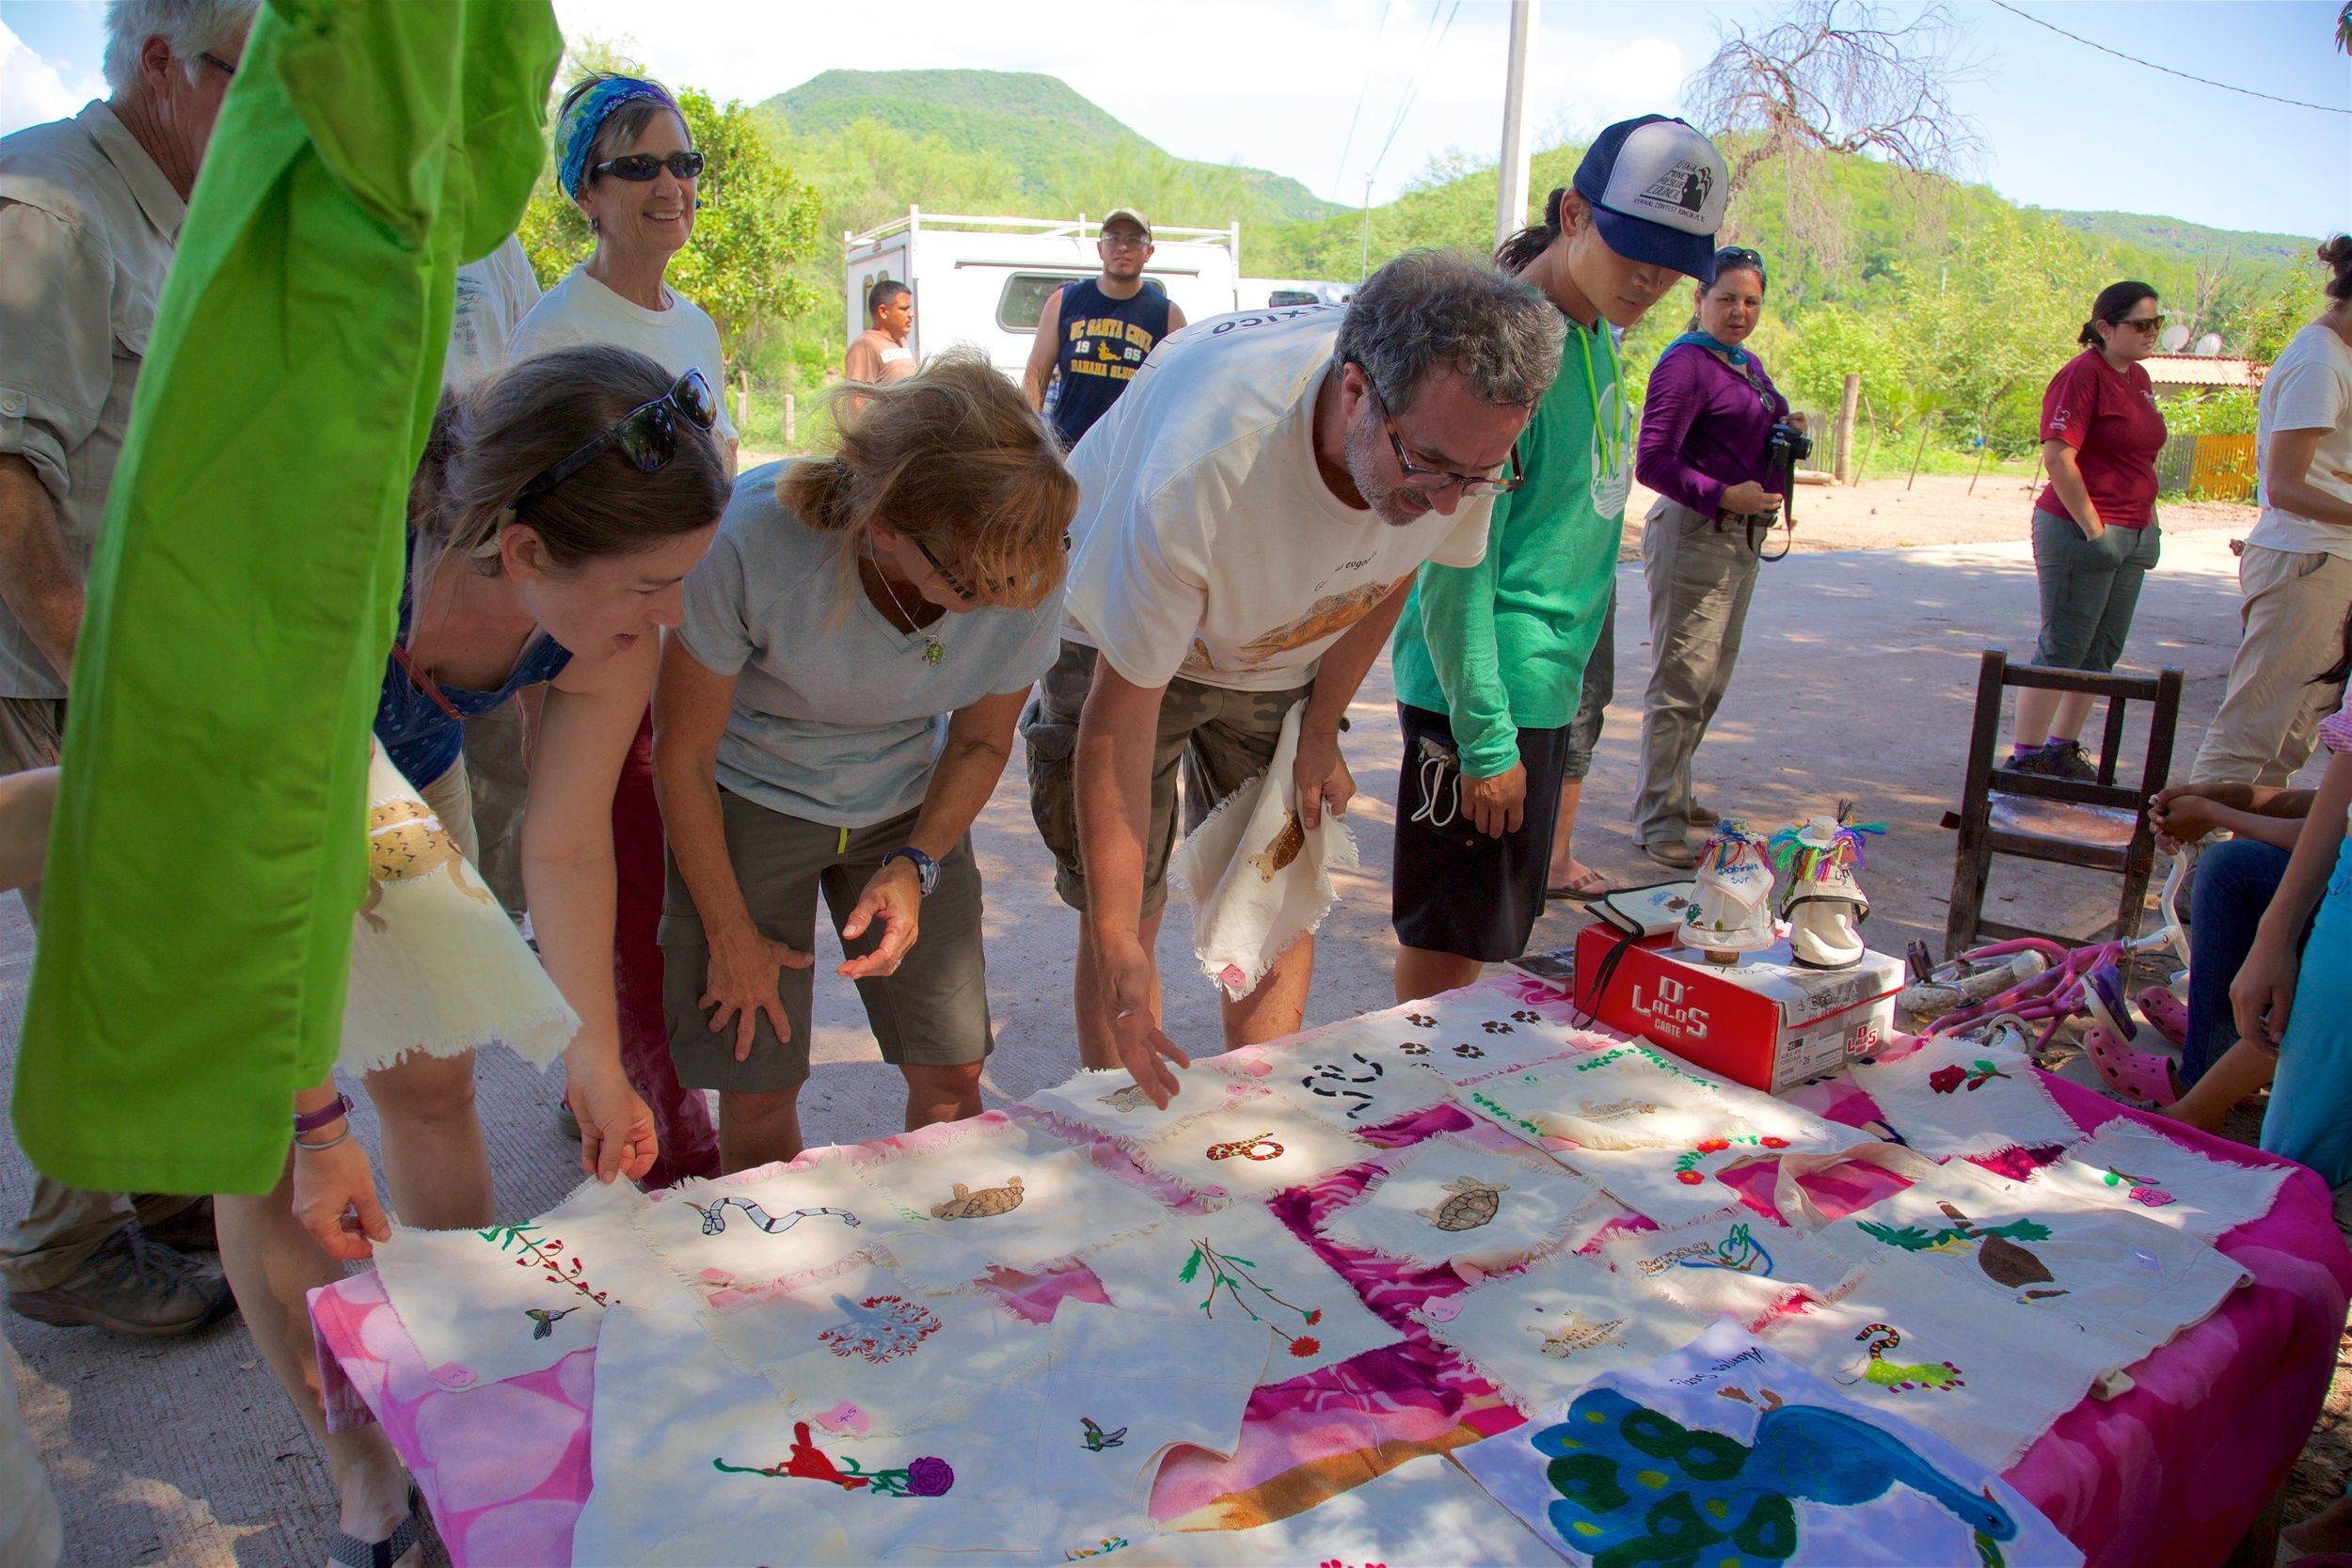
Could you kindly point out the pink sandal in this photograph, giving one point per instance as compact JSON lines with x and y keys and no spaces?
{"x":2168,"y":1012}
{"x":2140,"y":1075}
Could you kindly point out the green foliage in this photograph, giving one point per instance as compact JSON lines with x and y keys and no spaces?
{"x":2227,"y":412}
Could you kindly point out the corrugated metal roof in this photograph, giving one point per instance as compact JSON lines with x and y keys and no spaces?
{"x":2189,"y":370}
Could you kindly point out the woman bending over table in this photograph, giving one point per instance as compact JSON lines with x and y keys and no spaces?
{"x":833,"y":714}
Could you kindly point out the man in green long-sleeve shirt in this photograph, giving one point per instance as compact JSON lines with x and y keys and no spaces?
{"x":1489,"y":660}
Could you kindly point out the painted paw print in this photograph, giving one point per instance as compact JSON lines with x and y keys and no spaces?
{"x":1496,"y":1026}
{"x":1527,"y":1015}
{"x":1419,"y":1021}
{"x":1415,"y":1047}
{"x":1469,"y":1052}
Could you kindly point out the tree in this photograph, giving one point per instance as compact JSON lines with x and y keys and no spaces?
{"x":756,"y":220}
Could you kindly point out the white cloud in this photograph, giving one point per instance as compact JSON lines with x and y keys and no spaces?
{"x":33,"y":90}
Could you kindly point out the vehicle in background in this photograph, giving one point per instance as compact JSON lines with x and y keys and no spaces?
{"x":984,"y":280}
{"x":1272,"y":292}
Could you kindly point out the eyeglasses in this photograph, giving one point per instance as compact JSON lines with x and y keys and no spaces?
{"x":1439,"y":479}
{"x":2141,"y":323}
{"x":218,"y":64}
{"x":638,"y":167}
{"x":646,"y":434}
{"x":1127,"y":241}
{"x":1739,"y":258}
{"x":955,"y":584}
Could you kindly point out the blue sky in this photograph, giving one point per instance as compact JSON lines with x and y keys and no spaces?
{"x":1275,"y":83}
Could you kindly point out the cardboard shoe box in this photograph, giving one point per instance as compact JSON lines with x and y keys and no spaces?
{"x":1765,"y":1023}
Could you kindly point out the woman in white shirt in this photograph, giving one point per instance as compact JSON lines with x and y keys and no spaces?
{"x":2297,"y":571}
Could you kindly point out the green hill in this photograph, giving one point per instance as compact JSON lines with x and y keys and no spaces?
{"x":2183,"y":240}
{"x":1037,"y":124}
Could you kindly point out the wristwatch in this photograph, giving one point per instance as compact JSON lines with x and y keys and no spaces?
{"x":926,"y":868}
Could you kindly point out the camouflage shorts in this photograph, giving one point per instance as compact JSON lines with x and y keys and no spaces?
{"x":1224,"y":738}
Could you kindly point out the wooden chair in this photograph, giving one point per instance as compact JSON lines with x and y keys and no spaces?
{"x":2103,"y":825}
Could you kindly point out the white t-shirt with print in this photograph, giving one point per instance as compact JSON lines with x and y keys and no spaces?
{"x":494,"y":295}
{"x":1206,"y":543}
{"x":2308,"y":389}
{"x":582,"y":310}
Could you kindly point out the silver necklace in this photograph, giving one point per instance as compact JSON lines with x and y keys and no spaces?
{"x":933,"y":649}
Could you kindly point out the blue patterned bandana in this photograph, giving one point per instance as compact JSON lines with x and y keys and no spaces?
{"x":576,"y":133}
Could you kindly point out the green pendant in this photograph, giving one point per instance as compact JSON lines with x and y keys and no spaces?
{"x":933,"y":650}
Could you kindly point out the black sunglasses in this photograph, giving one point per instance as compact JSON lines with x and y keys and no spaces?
{"x":1739,"y":258}
{"x":646,"y":434}
{"x":638,"y":167}
{"x":1438,"y":479}
{"x":218,"y":64}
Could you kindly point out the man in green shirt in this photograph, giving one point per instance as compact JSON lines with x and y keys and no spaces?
{"x":1489,"y":660}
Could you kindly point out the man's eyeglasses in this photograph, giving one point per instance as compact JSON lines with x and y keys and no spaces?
{"x":1739,"y":258}
{"x":218,"y":64}
{"x":638,"y":167}
{"x":2142,"y":323}
{"x":1439,"y":479}
{"x":1127,"y":241}
{"x":646,"y":434}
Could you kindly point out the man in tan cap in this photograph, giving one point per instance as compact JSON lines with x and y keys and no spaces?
{"x":1093,"y":335}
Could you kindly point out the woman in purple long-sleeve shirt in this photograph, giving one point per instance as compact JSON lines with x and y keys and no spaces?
{"x":1706,"y":423}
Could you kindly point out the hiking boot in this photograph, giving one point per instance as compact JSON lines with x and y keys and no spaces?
{"x":189,"y":1230}
{"x":2059,"y":759}
{"x":133,"y":1286}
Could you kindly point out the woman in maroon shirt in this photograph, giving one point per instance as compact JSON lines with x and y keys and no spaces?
{"x":2094,"y":527}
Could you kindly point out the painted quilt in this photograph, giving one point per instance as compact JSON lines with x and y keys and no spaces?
{"x":760,"y":1225}
{"x":1252,"y":1151}
{"x":1727,"y":1452}
{"x":1742,"y":1266}
{"x":1109,"y":1103}
{"x":2135,"y":1168}
{"x":1957,"y":1098}
{"x":1447,"y":1198}
{"x":1345,"y":1075}
{"x":1466,"y":1035}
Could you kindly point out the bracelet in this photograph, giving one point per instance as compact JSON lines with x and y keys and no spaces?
{"x":310,"y":1122}
{"x":321,"y":1148}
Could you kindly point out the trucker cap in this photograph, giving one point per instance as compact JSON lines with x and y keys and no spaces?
{"x":1658,"y":190}
{"x":1130,"y":215}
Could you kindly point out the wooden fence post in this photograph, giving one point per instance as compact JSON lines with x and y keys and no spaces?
{"x":1845,"y":404}
{"x":790,"y":433}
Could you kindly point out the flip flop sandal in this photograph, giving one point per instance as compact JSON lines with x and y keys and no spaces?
{"x":2103,"y":996}
{"x":2166,"y":1013}
{"x":352,"y":1552}
{"x":1583,"y":889}
{"x":2137,"y":1075}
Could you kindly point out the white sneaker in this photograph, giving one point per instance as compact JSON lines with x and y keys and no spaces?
{"x":1825,"y":905}
{"x":1732,"y":911}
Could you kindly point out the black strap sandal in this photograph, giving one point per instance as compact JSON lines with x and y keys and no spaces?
{"x":352,"y":1552}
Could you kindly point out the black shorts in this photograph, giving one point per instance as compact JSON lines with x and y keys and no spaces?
{"x":1456,"y":890}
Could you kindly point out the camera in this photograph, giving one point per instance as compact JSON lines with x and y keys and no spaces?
{"x":1784,"y":450}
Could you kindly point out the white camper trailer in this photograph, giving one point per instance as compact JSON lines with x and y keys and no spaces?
{"x":983,"y":281}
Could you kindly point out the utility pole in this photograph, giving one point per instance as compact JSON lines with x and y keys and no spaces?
{"x":1511,"y":196}
{"x":1363,"y":261}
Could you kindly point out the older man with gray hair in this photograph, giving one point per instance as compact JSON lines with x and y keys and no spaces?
{"x":1254,"y":509}
{"x":91,"y":210}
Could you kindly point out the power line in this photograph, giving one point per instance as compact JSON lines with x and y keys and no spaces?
{"x":1413,"y":90}
{"x":2203,"y":81}
{"x":1348,"y":146}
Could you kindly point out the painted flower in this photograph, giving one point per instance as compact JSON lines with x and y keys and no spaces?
{"x":930,"y":1476}
{"x":1773,"y":1143}
{"x":1713,"y":1146}
{"x":1306,"y":1345}
{"x":1316,"y":1316}
{"x":1689,"y":1177}
{"x":1947,"y":1080}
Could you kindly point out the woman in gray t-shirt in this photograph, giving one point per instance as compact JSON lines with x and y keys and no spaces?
{"x":835,"y":711}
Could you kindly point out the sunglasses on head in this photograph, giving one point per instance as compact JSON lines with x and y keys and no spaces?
{"x":1739,"y":258}
{"x":646,"y":434}
{"x":641,"y":166}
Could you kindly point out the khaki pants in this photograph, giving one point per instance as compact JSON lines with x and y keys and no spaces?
{"x":65,"y":1224}
{"x":1700,"y":580}
{"x":2296,"y":603}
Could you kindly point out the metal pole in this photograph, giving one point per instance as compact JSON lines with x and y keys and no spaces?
{"x":1511,"y":193}
{"x":1363,"y":261}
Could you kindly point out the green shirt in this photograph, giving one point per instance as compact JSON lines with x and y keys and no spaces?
{"x":1501,"y":646}
{"x":210,"y":846}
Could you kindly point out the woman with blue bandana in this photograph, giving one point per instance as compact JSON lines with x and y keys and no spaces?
{"x":624,"y":155}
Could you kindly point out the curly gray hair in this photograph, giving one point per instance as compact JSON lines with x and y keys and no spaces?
{"x":189,"y":26}
{"x":1432,"y":309}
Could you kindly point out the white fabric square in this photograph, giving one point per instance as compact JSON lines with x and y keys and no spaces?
{"x":1259,"y":879}
{"x":1263,"y":1148}
{"x":484,"y":1305}
{"x":998,"y":1196}
{"x":1111,"y":1103}
{"x":1240,"y":1264}
{"x":2134,"y":1168}
{"x":2115,"y":1278}
{"x":866,"y":1340}
{"x":760,"y":1226}
{"x":1344,"y":1075}
{"x":1939,"y":1363}
{"x":696,"y":1463}
{"x":1727,"y":1445}
{"x":1955,"y":1098}
{"x":1124,"y":1390}
{"x":1742,"y":1266}
{"x":1424,"y":1512}
{"x":1447,"y":1199}
{"x":1638,"y":1097}
{"x":1540,"y":1335}
{"x":1466,"y":1035}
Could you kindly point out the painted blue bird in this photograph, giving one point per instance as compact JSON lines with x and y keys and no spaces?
{"x":1638,"y":1489}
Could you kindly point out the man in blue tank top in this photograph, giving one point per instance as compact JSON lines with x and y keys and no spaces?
{"x":1093,"y":334}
